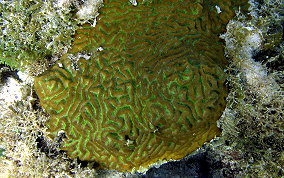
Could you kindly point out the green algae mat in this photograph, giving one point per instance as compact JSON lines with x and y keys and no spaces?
{"x":151,"y":87}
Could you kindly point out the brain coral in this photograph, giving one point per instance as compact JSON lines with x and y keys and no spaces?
{"x":152,"y":89}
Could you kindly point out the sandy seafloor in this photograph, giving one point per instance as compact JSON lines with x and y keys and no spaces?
{"x":252,"y":142}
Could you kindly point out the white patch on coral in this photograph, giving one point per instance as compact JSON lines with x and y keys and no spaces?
{"x":75,"y":58}
{"x":133,"y":2}
{"x":60,"y":132}
{"x":85,"y":56}
{"x":89,"y":10}
{"x":218,"y":9}
{"x":100,"y":48}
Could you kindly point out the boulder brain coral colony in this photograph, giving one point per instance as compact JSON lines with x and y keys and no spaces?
{"x":147,"y":85}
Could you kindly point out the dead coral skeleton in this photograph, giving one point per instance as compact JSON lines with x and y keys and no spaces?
{"x":86,"y":9}
{"x":253,"y":120}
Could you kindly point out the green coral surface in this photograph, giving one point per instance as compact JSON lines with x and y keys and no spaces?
{"x":152,"y":88}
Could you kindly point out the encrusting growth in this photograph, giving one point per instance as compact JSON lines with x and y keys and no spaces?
{"x":152,"y":88}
